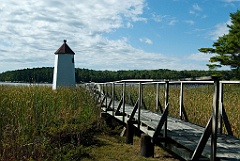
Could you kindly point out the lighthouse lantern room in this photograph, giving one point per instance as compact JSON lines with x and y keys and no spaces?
{"x":64,"y":68}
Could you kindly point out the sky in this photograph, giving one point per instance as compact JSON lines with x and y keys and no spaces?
{"x":112,"y":34}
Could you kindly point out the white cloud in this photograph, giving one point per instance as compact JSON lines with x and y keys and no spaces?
{"x":146,"y":40}
{"x":129,"y":25}
{"x":199,"y":57}
{"x":158,"y":18}
{"x":170,"y":20}
{"x":196,"y":7}
{"x":31,"y":31}
{"x":220,"y":30}
{"x":119,"y":55}
{"x":190,"y":22}
{"x":204,"y":16}
{"x":192,"y":12}
{"x":230,"y":1}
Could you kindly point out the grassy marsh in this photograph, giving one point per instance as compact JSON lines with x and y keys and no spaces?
{"x":40,"y":124}
{"x":37,"y":123}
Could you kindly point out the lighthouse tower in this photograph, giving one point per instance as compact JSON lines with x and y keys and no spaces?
{"x":64,"y":68}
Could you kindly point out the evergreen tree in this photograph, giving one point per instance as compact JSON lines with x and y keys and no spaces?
{"x":227,"y":47}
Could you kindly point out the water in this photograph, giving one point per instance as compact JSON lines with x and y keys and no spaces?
{"x":25,"y":84}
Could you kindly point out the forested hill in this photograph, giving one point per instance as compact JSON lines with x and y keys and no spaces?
{"x":45,"y":74}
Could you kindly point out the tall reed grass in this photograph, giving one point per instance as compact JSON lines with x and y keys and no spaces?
{"x":37,"y":123}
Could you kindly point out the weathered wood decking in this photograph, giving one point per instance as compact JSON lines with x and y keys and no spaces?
{"x":184,"y":133}
{"x":188,"y":140}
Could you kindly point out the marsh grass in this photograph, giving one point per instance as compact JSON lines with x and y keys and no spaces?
{"x":40,"y":124}
{"x":231,"y":102}
{"x":197,"y":101}
{"x":37,"y":123}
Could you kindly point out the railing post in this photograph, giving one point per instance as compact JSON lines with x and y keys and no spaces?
{"x":124,"y":100}
{"x":129,"y":95}
{"x":181,"y":102}
{"x":215,"y":119}
{"x":140,"y":103}
{"x":113,"y":97}
{"x":157,"y":97}
{"x":106,"y":95}
{"x":166,"y":104}
{"x":100,"y":90}
{"x":220,"y":108}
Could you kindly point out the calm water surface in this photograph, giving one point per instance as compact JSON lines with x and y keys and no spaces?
{"x":25,"y":84}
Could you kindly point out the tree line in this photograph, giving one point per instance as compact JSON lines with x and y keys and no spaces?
{"x":45,"y":75}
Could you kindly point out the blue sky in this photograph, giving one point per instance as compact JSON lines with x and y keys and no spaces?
{"x":112,"y":34}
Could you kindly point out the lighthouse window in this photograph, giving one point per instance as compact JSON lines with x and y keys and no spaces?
{"x":72,"y":60}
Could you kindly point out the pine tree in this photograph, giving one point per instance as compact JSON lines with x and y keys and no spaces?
{"x":226,"y":49}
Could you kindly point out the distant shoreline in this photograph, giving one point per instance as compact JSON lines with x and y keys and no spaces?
{"x":25,"y":84}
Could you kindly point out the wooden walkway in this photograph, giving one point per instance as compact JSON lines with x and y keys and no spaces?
{"x":183,"y":133}
{"x":189,"y":141}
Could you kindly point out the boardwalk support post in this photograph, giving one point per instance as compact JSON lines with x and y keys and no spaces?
{"x":129,"y":132}
{"x":147,"y":147}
